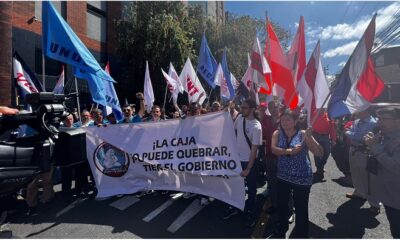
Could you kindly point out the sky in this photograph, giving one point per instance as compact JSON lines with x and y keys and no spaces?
{"x":338,"y":24}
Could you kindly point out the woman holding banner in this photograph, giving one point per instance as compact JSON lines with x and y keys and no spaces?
{"x":291,"y":145}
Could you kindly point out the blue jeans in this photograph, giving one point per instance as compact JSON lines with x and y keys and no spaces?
{"x":325,"y":143}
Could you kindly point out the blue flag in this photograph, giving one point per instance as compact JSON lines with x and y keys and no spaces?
{"x":96,"y":85}
{"x":62,"y":44}
{"x":207,"y":66}
{"x":227,"y":75}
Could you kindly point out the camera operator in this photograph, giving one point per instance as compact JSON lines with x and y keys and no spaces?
{"x":33,"y":189}
{"x":78,"y":171}
{"x":8,"y":111}
{"x":385,"y":149}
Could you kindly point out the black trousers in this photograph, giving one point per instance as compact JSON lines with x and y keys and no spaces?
{"x":300,"y":197}
{"x":393,"y":216}
{"x":81,"y":182}
{"x":272,"y":169}
{"x":251,"y":184}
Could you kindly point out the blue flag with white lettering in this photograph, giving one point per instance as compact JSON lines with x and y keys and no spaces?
{"x":62,"y":44}
{"x":227,"y":74}
{"x":207,"y":66}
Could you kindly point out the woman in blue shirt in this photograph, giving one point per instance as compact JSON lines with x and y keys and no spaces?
{"x":291,"y":145}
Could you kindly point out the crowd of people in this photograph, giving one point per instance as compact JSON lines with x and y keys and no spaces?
{"x":373,"y":156}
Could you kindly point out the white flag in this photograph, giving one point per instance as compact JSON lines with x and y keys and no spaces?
{"x":23,"y":79}
{"x":174,"y":75}
{"x":191,"y":84}
{"x":173,"y":86}
{"x":220,"y":81}
{"x":59,"y":88}
{"x":235,"y":82}
{"x":148,"y":90}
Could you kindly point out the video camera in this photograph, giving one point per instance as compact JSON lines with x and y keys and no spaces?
{"x":23,"y":158}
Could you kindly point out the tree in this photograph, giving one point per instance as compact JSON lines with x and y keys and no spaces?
{"x":163,"y":32}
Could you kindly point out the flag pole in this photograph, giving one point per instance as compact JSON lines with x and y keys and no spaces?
{"x":77,"y":100}
{"x":320,"y":109}
{"x":165,"y":97}
{"x":209,"y":97}
{"x":43,"y":71}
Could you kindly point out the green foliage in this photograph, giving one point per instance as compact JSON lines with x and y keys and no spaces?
{"x":164,"y":32}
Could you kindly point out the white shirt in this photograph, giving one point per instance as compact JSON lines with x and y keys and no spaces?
{"x":254,"y":133}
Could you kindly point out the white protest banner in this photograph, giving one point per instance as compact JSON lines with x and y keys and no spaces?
{"x":196,"y":154}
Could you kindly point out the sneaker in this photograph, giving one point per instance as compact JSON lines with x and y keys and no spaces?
{"x":353,"y":196}
{"x":102,"y":198}
{"x":32,"y":211}
{"x":250,"y":222}
{"x":140,"y":194}
{"x":187,"y":195}
{"x":204,"y":201}
{"x":375,"y":210}
{"x":291,"y":219}
{"x":230,"y":212}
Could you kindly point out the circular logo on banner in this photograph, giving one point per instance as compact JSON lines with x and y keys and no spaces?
{"x":110,"y":160}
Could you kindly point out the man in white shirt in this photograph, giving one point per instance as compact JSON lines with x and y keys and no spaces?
{"x":248,"y":139}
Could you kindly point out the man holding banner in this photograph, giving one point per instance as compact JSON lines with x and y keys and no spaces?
{"x":248,"y":139}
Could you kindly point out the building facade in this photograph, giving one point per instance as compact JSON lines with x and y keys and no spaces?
{"x":21,"y":31}
{"x":387,"y":66}
{"x":214,"y":10}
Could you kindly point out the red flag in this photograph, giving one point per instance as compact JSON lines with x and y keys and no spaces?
{"x":370,"y":86}
{"x":281,"y":70}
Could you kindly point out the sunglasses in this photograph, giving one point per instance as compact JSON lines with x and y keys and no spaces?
{"x":126,"y":110}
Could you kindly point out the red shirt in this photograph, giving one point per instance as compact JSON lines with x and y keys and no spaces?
{"x":268,"y":128}
{"x":323,"y":125}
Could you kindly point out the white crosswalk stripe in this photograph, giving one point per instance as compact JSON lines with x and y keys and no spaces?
{"x":191,"y":211}
{"x":70,"y":206}
{"x":158,"y":210}
{"x":124,"y":202}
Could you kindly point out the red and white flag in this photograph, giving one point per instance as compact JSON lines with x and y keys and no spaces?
{"x":281,"y":72}
{"x":59,"y":88}
{"x":191,"y":83}
{"x":313,"y":87}
{"x":148,"y":90}
{"x":260,"y":68}
{"x":297,"y":53}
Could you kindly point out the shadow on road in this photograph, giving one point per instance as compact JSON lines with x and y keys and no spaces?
{"x":349,"y":221}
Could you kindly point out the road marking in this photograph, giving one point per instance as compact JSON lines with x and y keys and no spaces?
{"x":158,"y":210}
{"x":70,"y":206}
{"x":186,"y":215}
{"x":124,"y":202}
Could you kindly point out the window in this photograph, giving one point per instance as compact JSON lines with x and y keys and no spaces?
{"x":96,"y":21}
{"x":58,"y":5}
{"x":380,"y":61}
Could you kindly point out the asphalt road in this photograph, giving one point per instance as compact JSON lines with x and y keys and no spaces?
{"x":332,"y":215}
